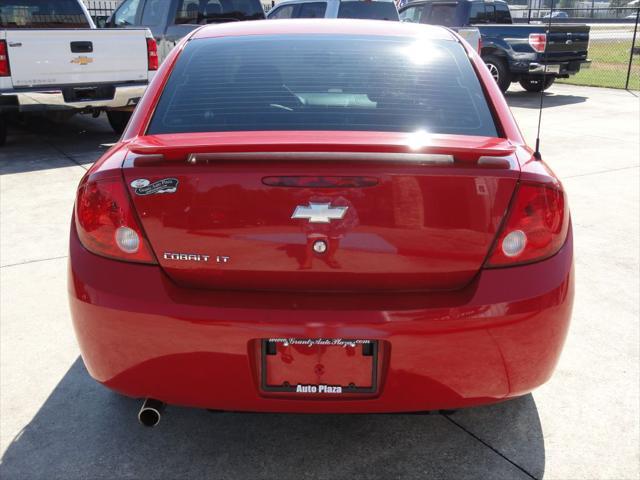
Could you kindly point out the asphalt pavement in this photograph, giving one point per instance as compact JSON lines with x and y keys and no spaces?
{"x":57,"y":423}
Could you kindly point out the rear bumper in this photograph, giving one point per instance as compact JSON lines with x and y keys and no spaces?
{"x":65,"y":98}
{"x":558,"y":69}
{"x":143,"y":336}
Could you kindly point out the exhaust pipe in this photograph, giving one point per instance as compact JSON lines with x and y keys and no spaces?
{"x":150,"y":412}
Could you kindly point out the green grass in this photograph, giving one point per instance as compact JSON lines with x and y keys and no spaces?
{"x":610,"y":59}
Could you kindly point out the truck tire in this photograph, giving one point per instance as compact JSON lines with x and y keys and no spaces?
{"x":3,"y":131}
{"x":499,"y":71}
{"x":536,"y":84}
{"x":118,"y":120}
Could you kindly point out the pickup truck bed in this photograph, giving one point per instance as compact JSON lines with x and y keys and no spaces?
{"x":54,"y":57}
{"x":46,"y":67}
{"x":566,"y":44}
{"x":75,"y":69}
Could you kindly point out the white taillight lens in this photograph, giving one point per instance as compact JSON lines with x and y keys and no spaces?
{"x":513,"y":244}
{"x":127,"y":239}
{"x":538,"y":41}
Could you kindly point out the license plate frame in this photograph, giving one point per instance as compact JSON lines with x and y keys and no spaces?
{"x":344,"y":389}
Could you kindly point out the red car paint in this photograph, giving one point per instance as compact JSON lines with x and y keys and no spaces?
{"x":448,"y":330}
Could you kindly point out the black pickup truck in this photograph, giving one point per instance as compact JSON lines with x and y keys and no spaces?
{"x":513,"y":53}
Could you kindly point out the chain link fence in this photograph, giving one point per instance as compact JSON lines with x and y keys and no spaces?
{"x":100,"y":10}
{"x":268,"y":5}
{"x":614,"y":42}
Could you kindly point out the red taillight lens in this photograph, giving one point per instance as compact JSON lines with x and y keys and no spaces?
{"x":152,"y":54}
{"x":538,"y":41}
{"x":4,"y":59}
{"x":536,"y":227}
{"x":106,"y":223}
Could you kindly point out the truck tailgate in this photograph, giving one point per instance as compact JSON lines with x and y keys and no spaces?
{"x":76,"y":56}
{"x":567,"y":41}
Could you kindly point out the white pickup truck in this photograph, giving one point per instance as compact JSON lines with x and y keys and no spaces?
{"x":53,"y":59}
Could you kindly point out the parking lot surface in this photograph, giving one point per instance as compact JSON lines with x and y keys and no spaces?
{"x":57,"y":423}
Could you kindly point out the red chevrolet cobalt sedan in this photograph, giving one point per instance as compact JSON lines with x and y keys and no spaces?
{"x":321,"y":216}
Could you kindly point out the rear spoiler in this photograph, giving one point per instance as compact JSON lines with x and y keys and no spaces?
{"x":507,"y":162}
{"x":437,"y":151}
{"x":375,"y":157}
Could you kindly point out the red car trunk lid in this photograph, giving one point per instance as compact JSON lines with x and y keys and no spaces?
{"x":369,"y":213}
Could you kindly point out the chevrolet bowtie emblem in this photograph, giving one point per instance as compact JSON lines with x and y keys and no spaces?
{"x":82,"y":60}
{"x":319,"y":212}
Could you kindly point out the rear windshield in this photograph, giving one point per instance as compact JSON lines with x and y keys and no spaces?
{"x":322,"y":82}
{"x":42,"y":14}
{"x":368,"y":10}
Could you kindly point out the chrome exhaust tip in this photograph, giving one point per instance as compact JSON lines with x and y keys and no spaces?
{"x":150,"y":412}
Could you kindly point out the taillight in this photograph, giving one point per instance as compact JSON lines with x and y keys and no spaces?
{"x":4,"y":59}
{"x":535,"y":229}
{"x":538,"y":41}
{"x":479,"y":45}
{"x":152,"y":54}
{"x":106,"y":222}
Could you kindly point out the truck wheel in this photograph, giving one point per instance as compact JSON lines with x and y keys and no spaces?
{"x":118,"y":120}
{"x":3,"y":131}
{"x":536,"y":84}
{"x":499,"y":71}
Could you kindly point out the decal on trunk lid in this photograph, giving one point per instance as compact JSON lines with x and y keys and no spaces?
{"x":142,"y":186}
